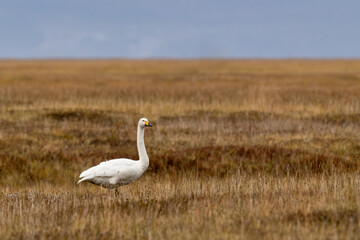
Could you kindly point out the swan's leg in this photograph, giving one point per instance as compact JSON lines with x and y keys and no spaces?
{"x":116,"y":192}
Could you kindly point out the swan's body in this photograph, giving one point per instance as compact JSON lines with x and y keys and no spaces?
{"x":122,"y":171}
{"x":113,"y":173}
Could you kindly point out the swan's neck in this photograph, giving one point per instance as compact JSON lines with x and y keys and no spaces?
{"x":144,"y":159}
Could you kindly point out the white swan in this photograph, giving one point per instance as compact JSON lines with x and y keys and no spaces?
{"x":122,"y":171}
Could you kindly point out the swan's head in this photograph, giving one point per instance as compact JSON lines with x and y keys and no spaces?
{"x":144,"y":123}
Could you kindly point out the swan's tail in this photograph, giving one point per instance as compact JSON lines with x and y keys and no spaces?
{"x":81,"y":180}
{"x":84,"y":176}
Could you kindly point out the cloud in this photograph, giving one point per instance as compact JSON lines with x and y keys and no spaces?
{"x":145,"y":47}
{"x":72,"y":38}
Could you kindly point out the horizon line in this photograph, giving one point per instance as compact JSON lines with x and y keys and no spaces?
{"x":169,"y":58}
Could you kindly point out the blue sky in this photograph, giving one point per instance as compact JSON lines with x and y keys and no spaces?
{"x":179,"y":29}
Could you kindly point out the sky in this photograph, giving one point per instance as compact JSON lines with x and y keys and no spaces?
{"x":179,"y":29}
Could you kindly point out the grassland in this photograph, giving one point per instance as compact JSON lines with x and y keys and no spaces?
{"x":240,"y":149}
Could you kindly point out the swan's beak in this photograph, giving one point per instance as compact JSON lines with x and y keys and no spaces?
{"x":148,"y":124}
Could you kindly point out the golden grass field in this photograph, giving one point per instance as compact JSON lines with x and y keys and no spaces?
{"x":240,"y":149}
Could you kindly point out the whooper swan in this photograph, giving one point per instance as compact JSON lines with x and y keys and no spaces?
{"x":122,"y":171}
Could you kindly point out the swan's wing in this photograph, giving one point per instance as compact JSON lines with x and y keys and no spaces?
{"x":120,"y":162}
{"x":108,"y":169}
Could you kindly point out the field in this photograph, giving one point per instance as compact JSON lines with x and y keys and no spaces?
{"x":239,"y":149}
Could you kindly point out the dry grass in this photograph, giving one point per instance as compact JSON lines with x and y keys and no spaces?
{"x":240,"y":149}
